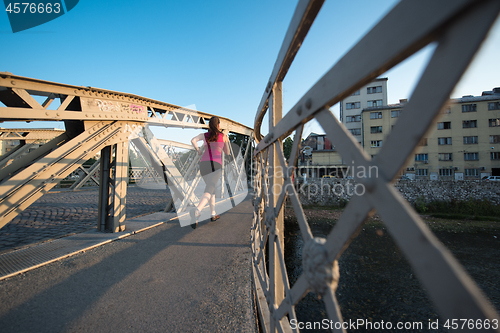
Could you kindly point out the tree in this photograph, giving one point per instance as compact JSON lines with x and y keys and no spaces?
{"x":287,"y":147}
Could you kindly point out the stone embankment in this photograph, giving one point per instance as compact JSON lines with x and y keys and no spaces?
{"x":335,"y":192}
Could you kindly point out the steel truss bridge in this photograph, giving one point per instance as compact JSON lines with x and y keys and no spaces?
{"x":457,"y":27}
{"x":97,"y":121}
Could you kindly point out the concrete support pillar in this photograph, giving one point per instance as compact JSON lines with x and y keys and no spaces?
{"x":104,"y":189}
{"x":120,"y":185}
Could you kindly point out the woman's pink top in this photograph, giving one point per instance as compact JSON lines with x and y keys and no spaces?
{"x":215,"y":151}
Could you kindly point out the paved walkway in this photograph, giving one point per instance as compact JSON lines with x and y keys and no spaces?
{"x":64,"y":212}
{"x":164,"y":279}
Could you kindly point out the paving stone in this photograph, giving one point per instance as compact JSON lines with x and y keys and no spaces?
{"x":58,"y":214}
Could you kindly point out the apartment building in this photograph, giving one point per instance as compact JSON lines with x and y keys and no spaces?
{"x":373,"y":94}
{"x":464,"y":142}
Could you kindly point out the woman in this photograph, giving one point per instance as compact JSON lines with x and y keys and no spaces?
{"x":210,"y":166}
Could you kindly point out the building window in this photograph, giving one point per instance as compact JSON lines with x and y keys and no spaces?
{"x":445,"y":172}
{"x":423,"y":142}
{"x":494,"y":122}
{"x":421,"y":157}
{"x":356,"y":93}
{"x":395,"y":114}
{"x":495,"y":155}
{"x":377,"y":102}
{"x":354,"y":105}
{"x":375,"y":115}
{"x":469,"y":108}
{"x":422,"y":172}
{"x":373,"y":90}
{"x":376,"y":143}
{"x":470,"y":140}
{"x":444,"y":141}
{"x":444,"y":125}
{"x":353,"y":119}
{"x":494,"y":138}
{"x":446,"y":110}
{"x":445,"y":157}
{"x":472,"y":172}
{"x":471,"y":156}
{"x":376,"y":129}
{"x":494,"y":106}
{"x":355,"y":131}
{"x":469,"y":124}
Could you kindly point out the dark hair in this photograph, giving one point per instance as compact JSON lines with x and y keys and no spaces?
{"x":213,"y":132}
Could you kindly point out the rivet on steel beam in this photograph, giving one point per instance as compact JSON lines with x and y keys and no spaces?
{"x":269,"y":85}
{"x":309,"y":103}
{"x":58,"y":115}
{"x":299,"y":110}
{"x":13,"y":83}
{"x":46,"y":113}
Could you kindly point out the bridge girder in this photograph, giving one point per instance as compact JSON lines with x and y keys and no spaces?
{"x":96,"y":120}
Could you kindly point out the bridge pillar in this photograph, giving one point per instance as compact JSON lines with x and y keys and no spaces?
{"x":113,"y":187}
{"x":104,"y":190}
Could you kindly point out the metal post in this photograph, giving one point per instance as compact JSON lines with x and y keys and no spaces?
{"x":275,"y":188}
{"x":104,"y":190}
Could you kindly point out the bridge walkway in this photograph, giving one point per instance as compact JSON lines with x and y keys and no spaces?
{"x":163,"y":279}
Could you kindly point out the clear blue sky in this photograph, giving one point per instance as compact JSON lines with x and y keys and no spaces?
{"x":216,"y":55}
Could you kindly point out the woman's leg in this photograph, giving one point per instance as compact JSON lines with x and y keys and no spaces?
{"x":203,"y":201}
{"x":212,"y":205}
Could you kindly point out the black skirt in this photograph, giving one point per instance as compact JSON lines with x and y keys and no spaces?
{"x":211,"y":173}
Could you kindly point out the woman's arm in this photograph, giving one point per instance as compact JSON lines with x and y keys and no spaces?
{"x":226,"y":144}
{"x":194,"y":142}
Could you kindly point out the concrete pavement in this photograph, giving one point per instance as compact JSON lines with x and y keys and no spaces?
{"x":164,"y":279}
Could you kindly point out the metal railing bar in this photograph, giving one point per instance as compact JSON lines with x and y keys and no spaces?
{"x":262,"y":275}
{"x":347,"y":227}
{"x":265,"y":317}
{"x":429,"y":18}
{"x":284,"y":308}
{"x":284,"y":275}
{"x":301,"y":217}
{"x":333,"y":309}
{"x":299,"y":289}
{"x":292,"y":160}
{"x":345,"y":143}
{"x":286,"y":182}
{"x":303,"y":17}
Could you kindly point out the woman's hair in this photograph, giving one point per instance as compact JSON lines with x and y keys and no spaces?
{"x":213,"y":132}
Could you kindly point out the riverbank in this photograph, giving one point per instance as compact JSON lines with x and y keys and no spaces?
{"x":377,"y":283}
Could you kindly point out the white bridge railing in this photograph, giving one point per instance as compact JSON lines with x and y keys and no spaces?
{"x":458,"y":27}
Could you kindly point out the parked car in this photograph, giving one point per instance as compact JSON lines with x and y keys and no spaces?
{"x":492,"y":178}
